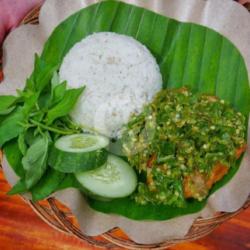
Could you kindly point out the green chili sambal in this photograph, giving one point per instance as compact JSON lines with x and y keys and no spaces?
{"x":181,"y":144}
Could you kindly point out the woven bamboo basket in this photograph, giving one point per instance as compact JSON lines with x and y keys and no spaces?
{"x":60,"y":217}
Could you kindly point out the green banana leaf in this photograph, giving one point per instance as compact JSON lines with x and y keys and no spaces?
{"x":188,"y":54}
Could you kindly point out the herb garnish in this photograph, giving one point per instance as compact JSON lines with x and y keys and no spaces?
{"x":29,"y":124}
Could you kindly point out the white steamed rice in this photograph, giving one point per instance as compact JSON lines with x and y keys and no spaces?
{"x":120,"y":75}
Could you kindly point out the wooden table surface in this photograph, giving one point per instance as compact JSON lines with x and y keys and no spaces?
{"x":22,"y":229}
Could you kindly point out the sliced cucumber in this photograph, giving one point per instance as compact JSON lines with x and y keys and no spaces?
{"x":79,"y":152}
{"x":115,"y":179}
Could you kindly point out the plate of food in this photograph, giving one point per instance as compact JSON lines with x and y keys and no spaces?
{"x":144,"y":115}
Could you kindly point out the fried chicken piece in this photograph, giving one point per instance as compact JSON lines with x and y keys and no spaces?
{"x":198,"y":185}
{"x":194,"y":186}
{"x":240,"y":151}
{"x":218,"y":172}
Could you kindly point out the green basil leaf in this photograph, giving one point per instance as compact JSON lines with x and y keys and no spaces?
{"x":22,"y":144}
{"x":58,"y":93}
{"x":54,"y":96}
{"x":35,"y":161}
{"x":47,"y":185}
{"x":64,"y":107}
{"x":30,"y":85}
{"x":42,"y":74}
{"x":55,"y":80}
{"x":14,"y":157}
{"x":18,"y":188}
{"x":39,"y":64}
{"x":3,"y":117}
{"x":39,"y":116}
{"x":30,"y":136}
{"x":30,"y":101}
{"x":44,"y":101}
{"x":7,"y":111}
{"x":6,"y":101}
{"x":10,"y":128}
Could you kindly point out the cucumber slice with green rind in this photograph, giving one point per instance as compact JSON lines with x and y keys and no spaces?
{"x":115,"y":179}
{"x":78,"y":152}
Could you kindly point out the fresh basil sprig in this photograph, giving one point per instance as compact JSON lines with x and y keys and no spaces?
{"x":35,"y":160}
{"x":31,"y":121}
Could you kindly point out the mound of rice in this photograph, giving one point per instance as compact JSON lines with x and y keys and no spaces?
{"x":120,"y":75}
